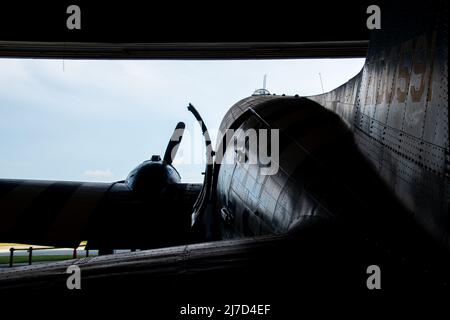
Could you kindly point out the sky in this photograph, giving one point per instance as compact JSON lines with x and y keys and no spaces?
{"x":95,"y":120}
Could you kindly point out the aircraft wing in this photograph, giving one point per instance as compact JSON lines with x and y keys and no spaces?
{"x":47,"y":212}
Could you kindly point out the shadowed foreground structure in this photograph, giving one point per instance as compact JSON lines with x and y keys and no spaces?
{"x":363,"y":180}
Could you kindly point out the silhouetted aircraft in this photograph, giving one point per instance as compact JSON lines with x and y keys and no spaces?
{"x":362,"y":178}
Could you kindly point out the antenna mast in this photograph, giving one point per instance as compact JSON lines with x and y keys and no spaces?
{"x":321,"y":83}
{"x":263,"y":91}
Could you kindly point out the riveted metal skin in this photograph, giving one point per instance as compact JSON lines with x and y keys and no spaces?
{"x":396,"y":111}
{"x":261,"y":204}
{"x":397,"y":107}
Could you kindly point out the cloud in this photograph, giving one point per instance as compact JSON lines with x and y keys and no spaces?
{"x":98,"y":174}
{"x":115,"y":113}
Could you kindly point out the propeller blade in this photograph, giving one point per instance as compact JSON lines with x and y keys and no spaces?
{"x":174,"y":143}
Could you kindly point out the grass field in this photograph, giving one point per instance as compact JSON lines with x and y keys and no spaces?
{"x":36,"y":256}
{"x":23,"y":259}
{"x":6,"y":244}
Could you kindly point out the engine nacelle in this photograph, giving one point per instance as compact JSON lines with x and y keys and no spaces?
{"x":152,"y":176}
